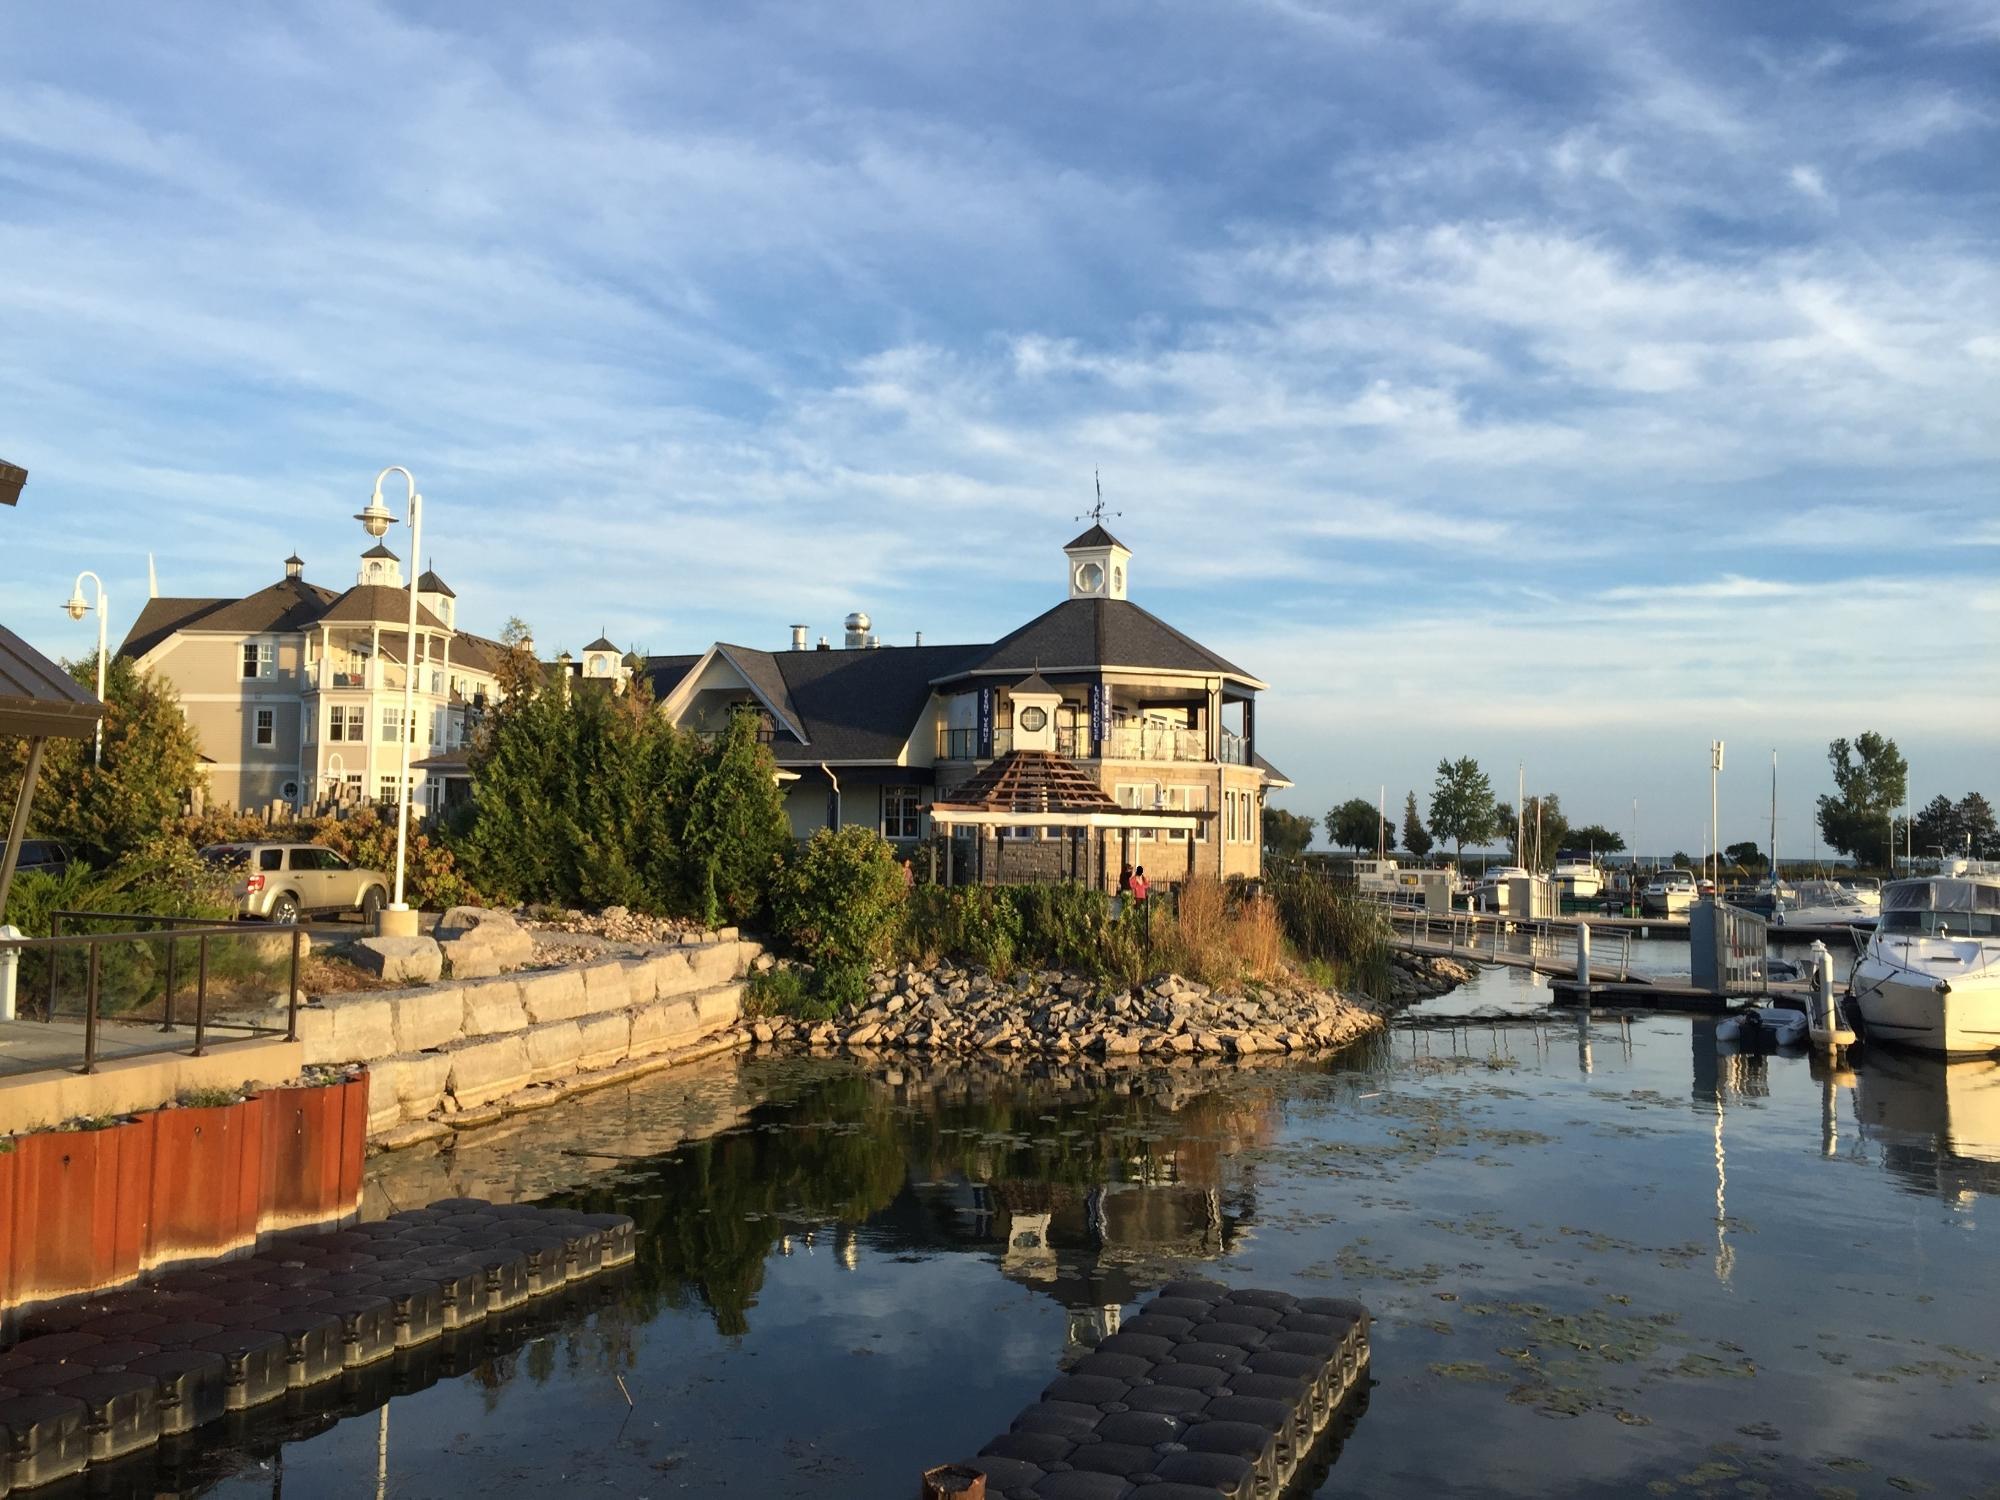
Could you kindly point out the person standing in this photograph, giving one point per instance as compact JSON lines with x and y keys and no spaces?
{"x":1140,"y":890}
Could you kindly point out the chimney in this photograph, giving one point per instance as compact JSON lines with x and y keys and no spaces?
{"x":857,"y":631}
{"x":798,"y":637}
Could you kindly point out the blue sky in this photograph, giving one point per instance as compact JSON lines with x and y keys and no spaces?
{"x":1555,"y":383}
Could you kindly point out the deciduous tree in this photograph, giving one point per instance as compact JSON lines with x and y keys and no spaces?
{"x":1870,"y":779}
{"x":1356,"y":825}
{"x":1461,"y":804}
{"x":1287,"y":835}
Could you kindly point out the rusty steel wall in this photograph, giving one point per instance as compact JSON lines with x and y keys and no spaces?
{"x":85,"y":1209}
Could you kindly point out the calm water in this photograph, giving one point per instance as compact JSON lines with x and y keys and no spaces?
{"x":1603,"y":1260}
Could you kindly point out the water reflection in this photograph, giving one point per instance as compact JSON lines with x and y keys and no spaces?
{"x":1088,"y":1186}
{"x":1936,"y":1123}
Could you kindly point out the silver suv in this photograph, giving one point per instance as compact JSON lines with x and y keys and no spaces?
{"x":281,"y":882}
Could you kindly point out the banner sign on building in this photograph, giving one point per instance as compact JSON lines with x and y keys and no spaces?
{"x":985,"y":722}
{"x":1100,"y":700}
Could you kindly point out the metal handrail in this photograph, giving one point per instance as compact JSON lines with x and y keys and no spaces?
{"x":93,"y":943}
{"x":1490,"y":938}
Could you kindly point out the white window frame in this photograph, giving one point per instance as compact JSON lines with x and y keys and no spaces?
{"x":909,"y":812}
{"x":264,"y":726}
{"x":259,"y":661}
{"x":1143,"y":795}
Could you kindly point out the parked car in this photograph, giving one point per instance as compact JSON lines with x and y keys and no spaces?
{"x":282,"y":882}
{"x":46,"y":855}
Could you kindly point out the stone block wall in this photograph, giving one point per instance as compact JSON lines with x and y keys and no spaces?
{"x":442,"y":1050}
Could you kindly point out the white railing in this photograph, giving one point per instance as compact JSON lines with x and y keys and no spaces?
{"x":1544,"y":943}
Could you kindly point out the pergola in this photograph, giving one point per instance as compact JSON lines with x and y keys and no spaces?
{"x":1041,"y":790}
{"x":39,"y":701}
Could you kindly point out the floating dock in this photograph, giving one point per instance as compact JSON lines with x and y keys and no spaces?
{"x":1207,"y":1392}
{"x":147,"y":1380}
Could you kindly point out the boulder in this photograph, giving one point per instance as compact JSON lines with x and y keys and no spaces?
{"x":399,"y":960}
{"x":479,"y":942}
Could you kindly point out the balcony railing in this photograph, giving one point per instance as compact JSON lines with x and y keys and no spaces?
{"x":1129,"y":739}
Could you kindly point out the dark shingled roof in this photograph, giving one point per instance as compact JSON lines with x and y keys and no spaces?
{"x":378,"y":550}
{"x":849,"y":705}
{"x":665,"y":673}
{"x":1271,"y":773}
{"x":38,"y":698}
{"x":1100,"y":632}
{"x":1097,"y":536}
{"x":375,"y":601}
{"x":601,"y":644}
{"x":287,"y":605}
{"x":430,"y":583}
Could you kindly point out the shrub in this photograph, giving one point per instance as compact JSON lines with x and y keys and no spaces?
{"x":840,"y":903}
{"x":782,"y":991}
{"x":1218,"y":935}
{"x":969,"y":924}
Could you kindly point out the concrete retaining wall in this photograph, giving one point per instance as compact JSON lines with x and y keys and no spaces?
{"x":442,"y":1051}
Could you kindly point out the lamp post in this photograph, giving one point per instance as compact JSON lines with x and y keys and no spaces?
{"x":1714,"y":822}
{"x":76,"y":609}
{"x":376,"y":521}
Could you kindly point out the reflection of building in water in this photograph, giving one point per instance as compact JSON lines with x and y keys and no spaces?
{"x":1936,"y":1123}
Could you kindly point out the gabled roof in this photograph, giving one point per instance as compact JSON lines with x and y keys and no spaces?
{"x":430,"y":583}
{"x":1097,"y":536}
{"x":843,"y":706}
{"x":370,"y":602}
{"x":38,"y":698}
{"x":1101,"y":633}
{"x":287,"y":605}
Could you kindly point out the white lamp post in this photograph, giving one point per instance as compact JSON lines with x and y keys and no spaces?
{"x":76,"y":608}
{"x":1714,"y":822}
{"x":376,"y":520}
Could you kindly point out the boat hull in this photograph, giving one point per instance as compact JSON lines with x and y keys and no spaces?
{"x":1952,"y":1017}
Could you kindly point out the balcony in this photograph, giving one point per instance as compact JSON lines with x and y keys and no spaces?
{"x":1129,"y":739}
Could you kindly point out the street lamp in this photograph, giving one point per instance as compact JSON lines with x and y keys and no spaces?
{"x":1714,"y":822}
{"x":76,"y":609}
{"x":376,"y":520}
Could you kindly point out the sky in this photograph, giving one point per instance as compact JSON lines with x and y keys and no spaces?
{"x":1561,"y":384}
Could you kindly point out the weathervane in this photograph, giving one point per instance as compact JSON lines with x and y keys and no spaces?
{"x":1097,"y":512}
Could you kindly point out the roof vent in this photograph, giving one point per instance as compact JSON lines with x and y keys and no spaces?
{"x":823,"y":646}
{"x":920,"y":637}
{"x":798,"y":637}
{"x":857,"y":631}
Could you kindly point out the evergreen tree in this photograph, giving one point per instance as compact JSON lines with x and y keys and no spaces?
{"x":152,"y":764}
{"x":737,"y":832}
{"x":1416,"y":838}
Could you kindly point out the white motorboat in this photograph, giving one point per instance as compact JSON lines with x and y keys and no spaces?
{"x":1824,"y":903}
{"x":1930,"y":977}
{"x":1490,"y":893}
{"x":1670,"y":893}
{"x":1577,"y":877}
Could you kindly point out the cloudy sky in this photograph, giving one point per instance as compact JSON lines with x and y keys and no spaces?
{"x":1546,"y":381}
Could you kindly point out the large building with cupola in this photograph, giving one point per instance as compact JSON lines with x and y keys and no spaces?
{"x":1095,"y":735}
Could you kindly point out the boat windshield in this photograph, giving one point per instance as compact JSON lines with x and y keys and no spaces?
{"x":1963,"y":908}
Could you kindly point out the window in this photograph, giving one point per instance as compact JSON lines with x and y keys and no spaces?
{"x":270,"y":859}
{"x":437,"y":682}
{"x":357,"y":724}
{"x":353,"y":787}
{"x":260,"y":659}
{"x":1139,"y":794}
{"x":1192,"y":799}
{"x":385,"y":791}
{"x":392,"y":725}
{"x":267,"y":726}
{"x":901,"y":812}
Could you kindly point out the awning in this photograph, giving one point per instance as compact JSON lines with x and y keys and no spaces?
{"x":38,"y":699}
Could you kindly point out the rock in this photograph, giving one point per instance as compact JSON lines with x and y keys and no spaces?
{"x":862,"y":1035}
{"x":479,"y":942}
{"x":763,"y":1032}
{"x":399,"y":960}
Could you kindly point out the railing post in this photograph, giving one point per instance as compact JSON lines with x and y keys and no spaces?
{"x":55,"y":962}
{"x":292,"y":994}
{"x":201,"y":998}
{"x":90,"y":1012}
{"x":167,"y":1009}
{"x":1583,"y":954}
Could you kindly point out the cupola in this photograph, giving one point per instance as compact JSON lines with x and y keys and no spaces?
{"x":1035,"y":700}
{"x":380,"y":567}
{"x":295,"y":567}
{"x":1097,"y":565}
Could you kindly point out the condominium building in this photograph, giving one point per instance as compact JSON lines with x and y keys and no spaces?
{"x":296,"y":691}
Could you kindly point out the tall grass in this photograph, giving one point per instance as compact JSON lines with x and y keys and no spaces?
{"x":1331,"y":925}
{"x":1217,"y":939}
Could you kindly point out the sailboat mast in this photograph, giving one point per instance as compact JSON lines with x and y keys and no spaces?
{"x":1774,"y":817}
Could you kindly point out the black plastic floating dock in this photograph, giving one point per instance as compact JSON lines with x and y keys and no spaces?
{"x":1207,"y":1392}
{"x":101,"y":1378}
